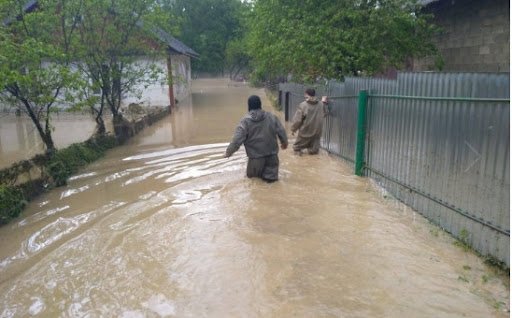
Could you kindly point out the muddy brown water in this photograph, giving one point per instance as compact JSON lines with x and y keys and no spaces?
{"x":165,"y":227}
{"x":19,"y":140}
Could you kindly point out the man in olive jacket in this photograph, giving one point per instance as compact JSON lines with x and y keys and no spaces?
{"x":258,"y":131}
{"x":309,"y":121}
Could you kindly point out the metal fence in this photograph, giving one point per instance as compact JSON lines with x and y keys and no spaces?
{"x":438,"y":142}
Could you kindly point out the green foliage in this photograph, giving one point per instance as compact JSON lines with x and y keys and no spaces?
{"x":463,"y":278}
{"x":464,"y":235}
{"x":498,"y":304}
{"x":463,"y":240}
{"x":498,"y":265}
{"x":36,"y":54}
{"x":12,"y":202}
{"x":61,"y":52}
{"x":67,"y":161}
{"x":111,"y":38}
{"x":337,"y":38}
{"x":258,"y":77}
{"x":208,"y":26}
{"x":273,"y":99}
{"x":237,"y":57}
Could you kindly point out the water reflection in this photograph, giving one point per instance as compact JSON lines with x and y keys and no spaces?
{"x":19,"y":139}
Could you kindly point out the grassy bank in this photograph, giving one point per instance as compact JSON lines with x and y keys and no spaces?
{"x":273,"y":98}
{"x":27,"y":179}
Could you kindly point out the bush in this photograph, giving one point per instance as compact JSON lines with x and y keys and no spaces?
{"x":12,"y":202}
{"x":67,"y":161}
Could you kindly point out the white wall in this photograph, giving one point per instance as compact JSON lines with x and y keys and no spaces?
{"x":157,"y":94}
{"x":182,"y":76}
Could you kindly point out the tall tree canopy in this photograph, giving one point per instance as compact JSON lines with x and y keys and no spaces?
{"x":207,"y":26}
{"x":336,"y":38}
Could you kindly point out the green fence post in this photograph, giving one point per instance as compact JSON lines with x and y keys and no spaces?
{"x":361,"y":131}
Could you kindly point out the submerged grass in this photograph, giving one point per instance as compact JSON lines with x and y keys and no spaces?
{"x":56,"y":169}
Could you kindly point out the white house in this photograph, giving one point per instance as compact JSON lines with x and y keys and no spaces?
{"x":176,"y":64}
{"x":178,"y":67}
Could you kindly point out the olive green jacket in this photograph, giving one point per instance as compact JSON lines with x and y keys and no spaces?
{"x":309,"y":118}
{"x":258,"y":131}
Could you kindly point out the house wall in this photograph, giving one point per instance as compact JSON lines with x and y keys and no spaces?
{"x":155,"y":94}
{"x":181,"y":75}
{"x":475,"y":37}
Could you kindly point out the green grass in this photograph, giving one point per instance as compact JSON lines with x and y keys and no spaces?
{"x":463,"y":278}
{"x":62,"y":164}
{"x":67,"y":161}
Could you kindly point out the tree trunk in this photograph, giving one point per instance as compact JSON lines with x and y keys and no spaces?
{"x":100,"y":125}
{"x":48,"y":141}
{"x":46,"y":137}
{"x":123,"y":129}
{"x":239,"y":69}
{"x":231,"y":69}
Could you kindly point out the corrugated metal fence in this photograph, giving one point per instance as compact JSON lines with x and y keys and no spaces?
{"x":439,"y":142}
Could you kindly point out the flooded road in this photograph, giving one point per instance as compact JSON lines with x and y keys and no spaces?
{"x":165,"y":227}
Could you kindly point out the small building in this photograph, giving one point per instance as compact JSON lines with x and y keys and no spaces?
{"x":475,"y":36}
{"x":177,"y":63}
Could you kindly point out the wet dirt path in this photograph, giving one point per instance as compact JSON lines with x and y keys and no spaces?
{"x":165,"y":227}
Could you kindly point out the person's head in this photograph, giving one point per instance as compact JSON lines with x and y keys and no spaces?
{"x":310,"y":92}
{"x":254,"y":102}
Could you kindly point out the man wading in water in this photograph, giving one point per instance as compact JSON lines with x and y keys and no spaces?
{"x":258,"y":131}
{"x":309,"y":121}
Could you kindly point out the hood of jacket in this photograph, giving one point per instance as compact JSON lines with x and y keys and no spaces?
{"x":312,"y":100}
{"x":257,"y":114}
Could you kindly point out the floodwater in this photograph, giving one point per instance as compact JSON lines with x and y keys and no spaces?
{"x":19,"y":139}
{"x":165,"y":227}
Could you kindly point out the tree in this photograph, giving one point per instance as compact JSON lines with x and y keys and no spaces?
{"x":208,"y":26}
{"x":237,"y":50}
{"x":113,"y":36}
{"x":35,"y":60}
{"x":237,"y":57}
{"x":336,"y":38}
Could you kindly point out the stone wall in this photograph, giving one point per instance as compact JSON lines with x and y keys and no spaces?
{"x":476,"y":36}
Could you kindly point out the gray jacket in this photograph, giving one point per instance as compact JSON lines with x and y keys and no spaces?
{"x":309,"y":118}
{"x":258,"y":131}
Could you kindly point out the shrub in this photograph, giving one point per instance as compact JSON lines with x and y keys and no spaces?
{"x":67,"y":161}
{"x":12,"y":202}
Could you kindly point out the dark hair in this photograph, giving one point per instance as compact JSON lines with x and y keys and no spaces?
{"x":310,"y":91}
{"x":254,"y":102}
